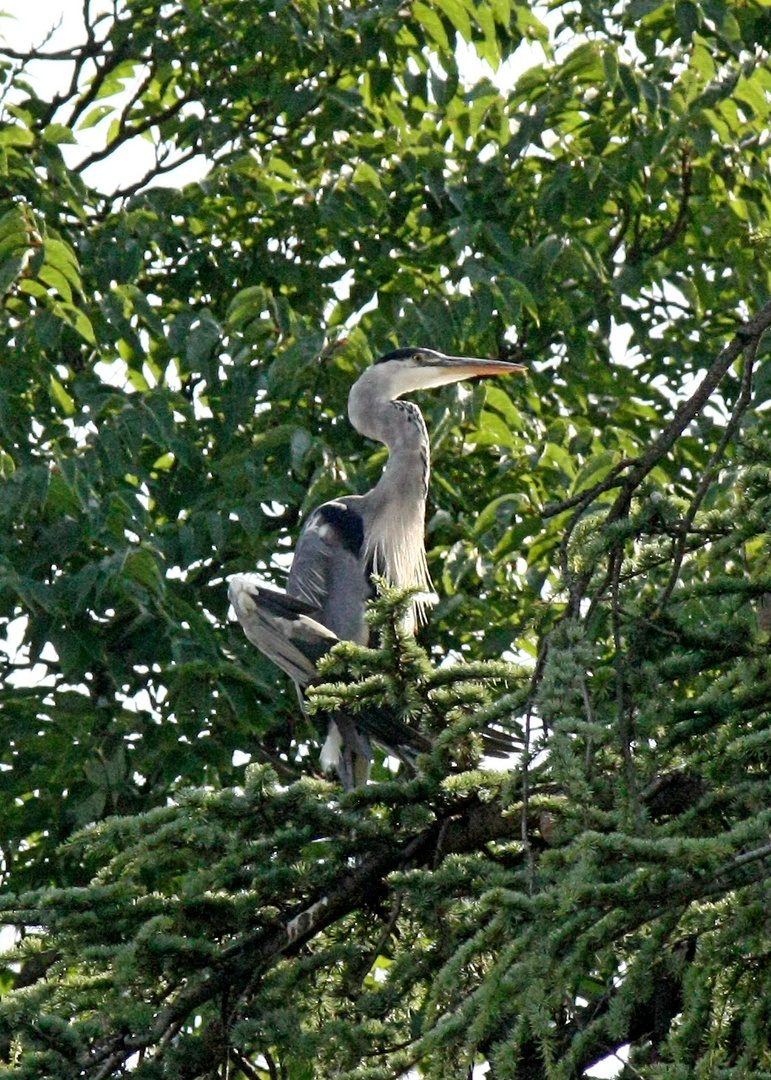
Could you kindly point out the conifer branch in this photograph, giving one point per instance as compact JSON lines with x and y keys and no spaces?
{"x":244,"y":963}
{"x":466,"y":827}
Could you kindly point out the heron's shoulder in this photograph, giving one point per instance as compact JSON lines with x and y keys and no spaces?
{"x":339,"y":521}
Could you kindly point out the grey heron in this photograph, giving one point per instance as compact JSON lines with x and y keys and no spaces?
{"x":347,"y":540}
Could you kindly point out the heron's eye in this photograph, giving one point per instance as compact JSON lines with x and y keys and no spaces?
{"x":419,"y":357}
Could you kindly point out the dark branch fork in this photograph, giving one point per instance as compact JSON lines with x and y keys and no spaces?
{"x":747,"y":337}
{"x":749,"y":332}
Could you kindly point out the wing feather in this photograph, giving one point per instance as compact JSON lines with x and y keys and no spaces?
{"x":282,"y":627}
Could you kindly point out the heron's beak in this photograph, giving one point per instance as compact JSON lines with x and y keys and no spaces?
{"x":466,"y":367}
{"x":436,"y":369}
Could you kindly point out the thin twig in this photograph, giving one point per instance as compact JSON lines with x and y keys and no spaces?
{"x":110,"y":62}
{"x":35,"y":54}
{"x":246,"y":1066}
{"x":89,"y":51}
{"x":641,"y":466}
{"x":590,"y":720}
{"x":622,"y":231}
{"x":388,"y":929}
{"x":583,"y":498}
{"x":125,"y":133}
{"x":670,"y":234}
{"x":158,"y":170}
{"x":524,"y":835}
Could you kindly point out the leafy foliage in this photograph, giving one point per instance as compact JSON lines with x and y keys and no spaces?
{"x":176,"y":363}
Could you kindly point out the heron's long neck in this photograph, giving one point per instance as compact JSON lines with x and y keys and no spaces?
{"x":397,"y":503}
{"x":400,"y":425}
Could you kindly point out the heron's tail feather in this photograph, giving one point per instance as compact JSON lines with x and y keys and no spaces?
{"x":348,"y":751}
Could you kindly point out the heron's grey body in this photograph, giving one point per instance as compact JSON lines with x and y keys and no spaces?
{"x":347,"y":540}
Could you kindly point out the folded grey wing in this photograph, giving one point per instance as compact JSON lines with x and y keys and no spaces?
{"x":282,"y":627}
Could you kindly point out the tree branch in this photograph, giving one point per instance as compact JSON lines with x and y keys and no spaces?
{"x":750,"y":332}
{"x":670,"y":234}
{"x":125,"y":133}
{"x":247,"y":959}
{"x":583,"y":498}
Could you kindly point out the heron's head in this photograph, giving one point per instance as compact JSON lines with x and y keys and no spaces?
{"x":404,"y":370}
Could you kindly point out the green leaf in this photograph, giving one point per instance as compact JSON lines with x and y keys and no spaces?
{"x":15,"y":135}
{"x":498,"y":399}
{"x":14,"y":224}
{"x":247,"y":304}
{"x":595,"y":470}
{"x":201,"y":340}
{"x":33,"y":288}
{"x":493,"y":431}
{"x":95,"y":116}
{"x":365,"y":174}
{"x":629,"y":83}
{"x":140,"y":566}
{"x":458,"y":15}
{"x":58,"y":133}
{"x":51,"y":276}
{"x":77,"y":319}
{"x":62,"y":258}
{"x":499,"y":510}
{"x":432,"y":24}
{"x":488,"y":49}
{"x":62,"y":398}
{"x":610,"y":64}
{"x":9,"y":272}
{"x":688,"y":18}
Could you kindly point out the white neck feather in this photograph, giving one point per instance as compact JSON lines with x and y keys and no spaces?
{"x":397,"y":550}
